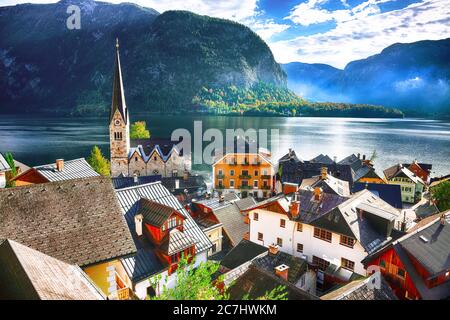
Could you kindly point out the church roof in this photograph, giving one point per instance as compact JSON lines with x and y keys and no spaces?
{"x":118,"y":96}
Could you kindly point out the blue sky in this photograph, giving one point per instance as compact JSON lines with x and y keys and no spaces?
{"x":321,"y":31}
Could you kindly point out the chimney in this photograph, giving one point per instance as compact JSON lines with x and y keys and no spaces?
{"x":185,"y":175}
{"x":359,"y":155}
{"x":334,"y":159}
{"x":177,"y":183}
{"x":135,"y":178}
{"x":317,"y":193}
{"x":364,"y":157}
{"x":289,"y":188}
{"x":273,"y":249}
{"x":222,"y":198}
{"x":323,"y":173}
{"x":60,"y":164}
{"x":138,"y":223}
{"x":290,"y":152}
{"x":282,"y":271}
{"x":294,"y":207}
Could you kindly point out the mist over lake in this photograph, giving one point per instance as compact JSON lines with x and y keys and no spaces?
{"x":35,"y":140}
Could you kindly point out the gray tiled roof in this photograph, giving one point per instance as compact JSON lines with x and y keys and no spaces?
{"x":430,"y":246}
{"x":29,"y":274}
{"x":232,"y":222}
{"x":73,"y":169}
{"x":297,"y":266}
{"x":245,"y":251}
{"x":4,"y":166}
{"x":129,"y":199}
{"x":77,"y":221}
{"x":362,"y":290}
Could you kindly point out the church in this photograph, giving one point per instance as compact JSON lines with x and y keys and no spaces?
{"x":140,"y":157}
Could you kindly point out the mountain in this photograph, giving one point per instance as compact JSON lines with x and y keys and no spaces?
{"x":414,"y":77}
{"x":166,"y":58}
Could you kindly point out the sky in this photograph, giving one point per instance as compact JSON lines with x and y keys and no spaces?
{"x":334,"y":32}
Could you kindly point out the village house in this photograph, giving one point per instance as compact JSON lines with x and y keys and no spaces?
{"x":139,"y":156}
{"x":417,"y":265}
{"x":76,"y":221}
{"x":4,"y":170}
{"x":162,"y":231}
{"x":27,"y":274}
{"x":412,"y":186}
{"x":327,"y":183}
{"x":226,"y":210}
{"x":59,"y":171}
{"x":245,"y":173}
{"x":354,"y":168}
{"x":331,"y":232}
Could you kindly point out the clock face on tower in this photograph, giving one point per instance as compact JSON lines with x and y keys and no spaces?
{"x":117,"y":122}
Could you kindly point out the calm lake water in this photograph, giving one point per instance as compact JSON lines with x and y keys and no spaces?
{"x":41,"y":140}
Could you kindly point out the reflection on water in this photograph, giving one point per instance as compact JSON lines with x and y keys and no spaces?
{"x":42,"y":140}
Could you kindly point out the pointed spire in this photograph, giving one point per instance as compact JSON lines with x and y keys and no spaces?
{"x":118,"y":96}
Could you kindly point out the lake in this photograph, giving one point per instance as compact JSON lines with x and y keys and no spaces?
{"x":40,"y":140}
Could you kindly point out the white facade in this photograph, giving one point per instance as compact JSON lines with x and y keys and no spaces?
{"x":2,"y":179}
{"x":269,"y":225}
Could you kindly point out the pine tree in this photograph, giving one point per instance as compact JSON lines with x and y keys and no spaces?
{"x":98,"y":162}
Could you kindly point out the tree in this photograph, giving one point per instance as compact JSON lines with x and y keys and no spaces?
{"x":10,"y":160}
{"x":138,"y":130}
{"x":441,"y":194}
{"x":197,"y":283}
{"x":98,"y":162}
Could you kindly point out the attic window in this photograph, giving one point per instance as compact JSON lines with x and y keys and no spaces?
{"x":424,"y":239}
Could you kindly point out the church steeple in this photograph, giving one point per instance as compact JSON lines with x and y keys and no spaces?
{"x":118,"y":96}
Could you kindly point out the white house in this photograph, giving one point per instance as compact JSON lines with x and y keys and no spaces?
{"x":331,"y":232}
{"x":4,"y":168}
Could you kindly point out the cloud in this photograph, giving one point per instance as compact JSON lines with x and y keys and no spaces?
{"x":367,"y":33}
{"x":265,"y":28}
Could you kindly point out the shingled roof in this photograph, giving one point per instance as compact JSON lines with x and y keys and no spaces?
{"x":362,"y":290}
{"x":77,"y":221}
{"x":28,"y":274}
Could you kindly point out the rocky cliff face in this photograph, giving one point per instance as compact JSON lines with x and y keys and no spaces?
{"x":166,"y":58}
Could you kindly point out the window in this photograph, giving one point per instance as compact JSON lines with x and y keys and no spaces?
{"x":231,"y":183}
{"x":256,"y":173}
{"x":117,"y":136}
{"x":300,"y":247}
{"x":220,"y":183}
{"x":264,"y":172}
{"x":321,"y":263}
{"x":265,"y":183}
{"x":231,"y":172}
{"x":175,"y":173}
{"x":347,"y":241}
{"x":135,"y":159}
{"x":299,"y":227}
{"x":401,"y":273}
{"x":322,"y":234}
{"x":245,"y":183}
{"x":220,"y":172}
{"x":255,"y":183}
{"x":282,"y":223}
{"x":347,"y":264}
{"x":260,"y":236}
{"x":255,"y":216}
{"x":244,"y":172}
{"x":280,"y":242}
{"x":154,"y":158}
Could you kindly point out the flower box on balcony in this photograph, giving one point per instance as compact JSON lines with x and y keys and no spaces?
{"x":245,"y":176}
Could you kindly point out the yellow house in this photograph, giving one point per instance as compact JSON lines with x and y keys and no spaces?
{"x":245,"y":174}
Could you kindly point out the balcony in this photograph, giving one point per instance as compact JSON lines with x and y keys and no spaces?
{"x":245,"y":176}
{"x":256,"y":163}
{"x":220,"y":187}
{"x":245,"y":187}
{"x":220,"y":176}
{"x":266,"y":176}
{"x":265,"y":187}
